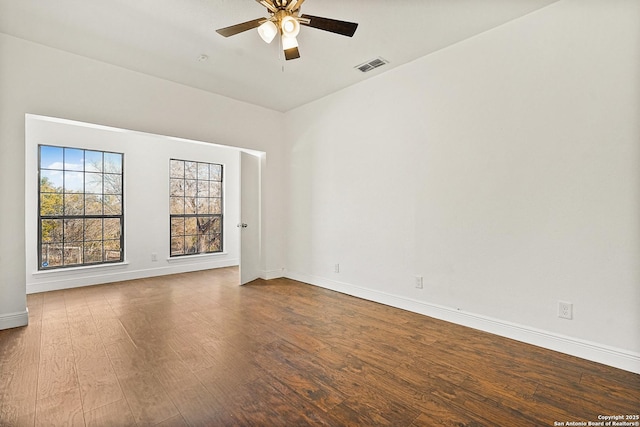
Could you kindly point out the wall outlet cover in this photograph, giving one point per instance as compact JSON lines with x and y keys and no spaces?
{"x":565,"y":310}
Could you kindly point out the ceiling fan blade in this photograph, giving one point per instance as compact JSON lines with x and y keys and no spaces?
{"x":332,"y":25}
{"x":239,"y":28}
{"x":292,"y":53}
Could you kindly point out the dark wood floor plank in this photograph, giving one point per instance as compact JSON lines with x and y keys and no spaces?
{"x":18,"y":387}
{"x":582,"y":400}
{"x":197,"y":405}
{"x":177,"y":421}
{"x":626,"y":393}
{"x":197,"y":349}
{"x":304,"y":384}
{"x":57,"y":372}
{"x":63,"y":409}
{"x":98,"y":383}
{"x":149,"y":402}
{"x":116,"y":414}
{"x":21,"y":346}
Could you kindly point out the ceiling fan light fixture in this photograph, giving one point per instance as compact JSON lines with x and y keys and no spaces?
{"x":268,"y":31}
{"x":285,"y":20}
{"x":289,"y":42}
{"x":290,"y":26}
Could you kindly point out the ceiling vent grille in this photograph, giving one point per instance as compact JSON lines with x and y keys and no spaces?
{"x":370,"y":65}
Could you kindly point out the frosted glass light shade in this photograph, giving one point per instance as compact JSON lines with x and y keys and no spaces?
{"x":289,"y":42}
{"x":268,"y":31}
{"x":290,"y":26}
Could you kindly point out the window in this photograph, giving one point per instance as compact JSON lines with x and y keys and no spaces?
{"x":195,"y":207}
{"x":80,"y":211}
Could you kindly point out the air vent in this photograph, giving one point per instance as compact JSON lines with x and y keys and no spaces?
{"x":370,"y":65}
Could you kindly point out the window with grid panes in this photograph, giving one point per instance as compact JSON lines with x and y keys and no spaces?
{"x":80,"y":208}
{"x":195,"y":207}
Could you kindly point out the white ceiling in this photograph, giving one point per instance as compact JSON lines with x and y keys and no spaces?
{"x":164,"y":38}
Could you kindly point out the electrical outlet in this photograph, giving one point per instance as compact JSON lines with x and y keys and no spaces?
{"x":419,"y":282}
{"x":565,"y":310}
{"x":154,"y":257}
{"x":336,"y":268}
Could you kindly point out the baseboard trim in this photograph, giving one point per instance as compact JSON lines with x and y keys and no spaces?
{"x":14,"y":320}
{"x":60,"y":279}
{"x":272,"y":274}
{"x":611,"y":356}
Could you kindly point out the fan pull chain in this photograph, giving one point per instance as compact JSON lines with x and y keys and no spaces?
{"x":281,"y":53}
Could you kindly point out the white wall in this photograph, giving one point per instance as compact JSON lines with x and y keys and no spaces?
{"x":146,"y":207}
{"x":35,"y":79}
{"x":503,"y":169}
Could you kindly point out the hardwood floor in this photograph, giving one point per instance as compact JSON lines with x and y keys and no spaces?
{"x":197,"y":349}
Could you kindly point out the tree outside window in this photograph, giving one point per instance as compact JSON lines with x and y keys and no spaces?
{"x":195,"y":206}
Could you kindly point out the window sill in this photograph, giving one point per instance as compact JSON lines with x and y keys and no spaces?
{"x":186,"y":258}
{"x":72,"y":270}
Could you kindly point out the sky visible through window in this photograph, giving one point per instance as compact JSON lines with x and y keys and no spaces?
{"x":80,"y":209}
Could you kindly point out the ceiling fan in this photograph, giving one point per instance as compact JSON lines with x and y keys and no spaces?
{"x":285,"y":19}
